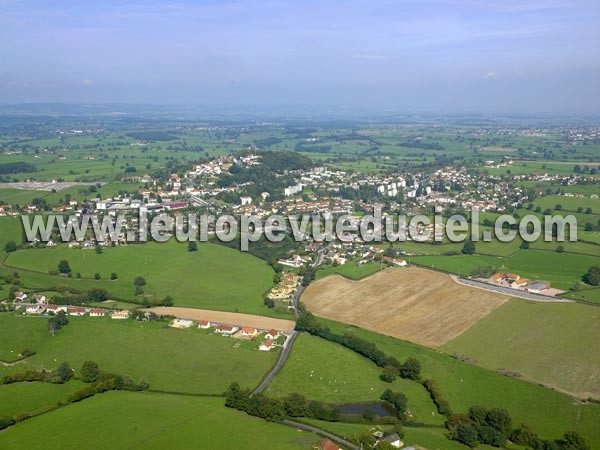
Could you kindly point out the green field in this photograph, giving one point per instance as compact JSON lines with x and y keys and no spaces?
{"x":546,"y":343}
{"x":124,"y":420}
{"x":319,"y":370}
{"x":562,"y":270}
{"x":33,"y":398}
{"x":191,"y":361}
{"x":550,"y":413}
{"x":214,"y":277}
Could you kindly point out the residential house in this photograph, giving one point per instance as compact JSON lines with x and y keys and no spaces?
{"x":120,"y":315}
{"x":272,"y":334}
{"x":225,"y":330}
{"x":56,"y":308}
{"x":182,"y":323}
{"x":266,"y":345}
{"x":77,"y":311}
{"x":204,"y":324}
{"x":393,"y":440}
{"x":248,"y":331}
{"x":97,"y":312}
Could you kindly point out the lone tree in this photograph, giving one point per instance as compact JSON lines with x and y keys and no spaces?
{"x":63,"y":266}
{"x":10,"y":246}
{"x":469,"y":248}
{"x":64,"y":372}
{"x":139,"y":281}
{"x":592,"y":276}
{"x":89,"y":372}
{"x":192,"y":247}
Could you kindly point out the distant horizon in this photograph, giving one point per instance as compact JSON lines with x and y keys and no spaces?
{"x":508,"y":56}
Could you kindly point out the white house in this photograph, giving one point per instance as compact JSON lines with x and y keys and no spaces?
{"x":77,"y":311}
{"x":272,"y":334}
{"x":182,"y":323}
{"x":97,"y":312}
{"x":266,"y":345}
{"x":56,"y":308}
{"x":248,"y":331}
{"x":120,"y":315}
{"x":204,"y":324}
{"x":225,"y":330}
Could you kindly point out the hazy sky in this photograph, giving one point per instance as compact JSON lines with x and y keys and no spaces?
{"x":415,"y":55}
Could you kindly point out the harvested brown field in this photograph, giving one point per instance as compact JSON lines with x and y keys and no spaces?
{"x":244,"y":320}
{"x":413,"y":304}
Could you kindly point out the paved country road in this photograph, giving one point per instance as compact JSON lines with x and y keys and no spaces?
{"x":508,"y":291}
{"x":344,"y":443}
{"x":287,"y":347}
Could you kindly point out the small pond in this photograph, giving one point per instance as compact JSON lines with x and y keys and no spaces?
{"x":381,"y":409}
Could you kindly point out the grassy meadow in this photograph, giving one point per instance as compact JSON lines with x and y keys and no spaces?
{"x":214,"y":277}
{"x":318,"y":370}
{"x":546,"y":343}
{"x":190,"y":361}
{"x":33,"y":398}
{"x":124,"y":420}
{"x":549,"y":412}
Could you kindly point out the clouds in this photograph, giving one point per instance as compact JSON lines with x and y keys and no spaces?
{"x":334,"y":51}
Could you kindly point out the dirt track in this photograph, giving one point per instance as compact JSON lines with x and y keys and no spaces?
{"x":246,"y":320}
{"x":413,"y":304}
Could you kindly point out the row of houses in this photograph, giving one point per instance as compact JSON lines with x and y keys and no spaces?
{"x":232,"y":330}
{"x":514,"y":281}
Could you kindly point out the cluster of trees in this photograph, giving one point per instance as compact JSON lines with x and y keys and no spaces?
{"x":397,"y":399}
{"x":308,"y":274}
{"x":56,"y":322}
{"x":494,"y":427}
{"x":392,"y":367}
{"x":60,"y":375}
{"x":99,"y":381}
{"x":409,"y":369}
{"x":275,"y":410}
{"x":438,"y":399}
{"x":480,"y":425}
{"x":16,"y":167}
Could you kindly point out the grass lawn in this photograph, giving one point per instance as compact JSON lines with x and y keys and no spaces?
{"x":550,"y":413}
{"x":547,"y":343}
{"x":191,"y":361}
{"x":318,"y":369}
{"x":561,"y":269}
{"x":214,"y":277}
{"x":19,"y":333}
{"x":10,"y":230}
{"x":32,"y":398}
{"x":124,"y":420}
